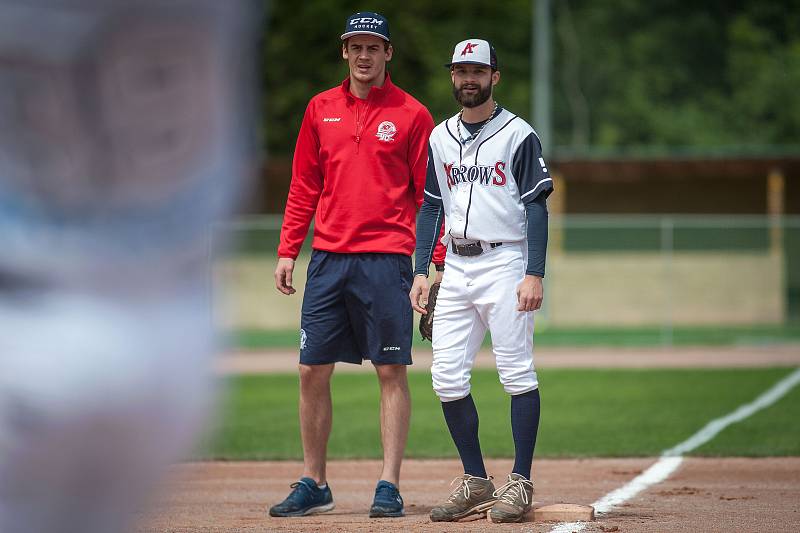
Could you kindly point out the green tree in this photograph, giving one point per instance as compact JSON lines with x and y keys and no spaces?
{"x":677,"y":74}
{"x":302,"y":54}
{"x":659,"y":75}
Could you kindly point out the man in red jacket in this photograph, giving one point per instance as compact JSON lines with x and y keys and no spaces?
{"x":359,"y":171}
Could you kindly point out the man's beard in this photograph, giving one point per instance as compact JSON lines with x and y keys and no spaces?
{"x":472,"y":100}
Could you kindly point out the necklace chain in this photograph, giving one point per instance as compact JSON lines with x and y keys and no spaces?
{"x":473,"y":136}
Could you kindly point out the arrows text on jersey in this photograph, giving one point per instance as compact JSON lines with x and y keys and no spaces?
{"x":483,"y":174}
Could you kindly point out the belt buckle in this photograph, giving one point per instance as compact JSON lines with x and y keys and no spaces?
{"x":471,"y":249}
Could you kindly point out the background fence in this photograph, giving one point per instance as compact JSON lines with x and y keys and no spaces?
{"x":603,"y":271}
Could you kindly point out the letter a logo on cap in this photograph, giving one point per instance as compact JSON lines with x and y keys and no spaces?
{"x":474,"y":51}
{"x":468,"y":48}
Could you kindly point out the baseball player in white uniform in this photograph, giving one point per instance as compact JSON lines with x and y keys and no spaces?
{"x":488,"y":180}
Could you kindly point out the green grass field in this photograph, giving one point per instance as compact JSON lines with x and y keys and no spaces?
{"x":585,"y":413}
{"x":682,"y":336}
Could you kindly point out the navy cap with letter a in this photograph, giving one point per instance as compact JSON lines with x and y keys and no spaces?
{"x":366,"y":23}
{"x":474,"y":52}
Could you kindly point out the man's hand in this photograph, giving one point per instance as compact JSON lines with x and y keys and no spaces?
{"x":283,"y":275}
{"x":530,"y":293}
{"x":419,"y":293}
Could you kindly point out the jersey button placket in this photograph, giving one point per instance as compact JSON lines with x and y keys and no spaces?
{"x":462,"y":196}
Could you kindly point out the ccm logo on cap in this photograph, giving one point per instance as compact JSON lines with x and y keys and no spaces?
{"x":468,"y":49}
{"x":366,"y":20}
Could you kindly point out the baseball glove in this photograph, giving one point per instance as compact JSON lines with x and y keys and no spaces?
{"x":426,"y":320}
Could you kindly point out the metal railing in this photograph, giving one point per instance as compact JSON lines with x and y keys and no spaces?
{"x":613,"y":270}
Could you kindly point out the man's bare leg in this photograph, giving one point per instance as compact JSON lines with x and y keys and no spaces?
{"x":316,"y":415}
{"x":395,"y":416}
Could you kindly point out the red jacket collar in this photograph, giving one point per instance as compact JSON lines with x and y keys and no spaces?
{"x":374,"y":92}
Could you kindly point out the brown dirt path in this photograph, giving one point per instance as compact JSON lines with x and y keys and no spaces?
{"x":703,"y":495}
{"x":267,"y":361}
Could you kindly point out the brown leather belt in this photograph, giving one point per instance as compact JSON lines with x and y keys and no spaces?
{"x":471,"y":249}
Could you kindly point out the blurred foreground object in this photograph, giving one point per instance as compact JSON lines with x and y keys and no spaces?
{"x":124,"y":134}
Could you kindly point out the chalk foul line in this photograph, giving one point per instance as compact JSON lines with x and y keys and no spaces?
{"x":672,"y":458}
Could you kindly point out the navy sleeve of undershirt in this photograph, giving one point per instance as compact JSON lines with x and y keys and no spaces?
{"x":536,"y":216}
{"x":429,"y":221}
{"x":530,"y":170}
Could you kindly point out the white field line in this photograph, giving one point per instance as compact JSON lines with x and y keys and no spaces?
{"x":673,"y":457}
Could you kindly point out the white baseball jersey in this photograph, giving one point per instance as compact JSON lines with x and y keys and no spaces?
{"x":484,"y":184}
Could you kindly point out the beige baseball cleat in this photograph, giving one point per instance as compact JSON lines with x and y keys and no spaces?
{"x":514,"y":500}
{"x":473,"y":495}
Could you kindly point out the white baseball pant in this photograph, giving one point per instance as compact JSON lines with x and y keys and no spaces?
{"x":479,"y":293}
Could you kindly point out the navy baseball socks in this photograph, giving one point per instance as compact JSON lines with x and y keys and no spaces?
{"x":462,"y":421}
{"x":306,"y":498}
{"x":387,"y":503}
{"x":524,"y":427}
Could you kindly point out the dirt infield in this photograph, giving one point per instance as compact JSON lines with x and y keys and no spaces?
{"x":704,"y":494}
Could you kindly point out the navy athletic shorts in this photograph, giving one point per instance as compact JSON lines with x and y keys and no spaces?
{"x":356,"y":307}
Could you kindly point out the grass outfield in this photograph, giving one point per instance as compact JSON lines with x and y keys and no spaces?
{"x":585,"y":413}
{"x":681,"y":336}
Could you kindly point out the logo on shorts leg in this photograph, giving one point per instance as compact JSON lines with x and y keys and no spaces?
{"x":303,"y":339}
{"x":391,"y":348}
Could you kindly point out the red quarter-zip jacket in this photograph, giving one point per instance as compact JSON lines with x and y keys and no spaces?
{"x":359,"y":170}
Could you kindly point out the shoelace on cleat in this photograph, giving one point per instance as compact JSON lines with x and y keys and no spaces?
{"x":512,"y":490}
{"x":463,"y":488}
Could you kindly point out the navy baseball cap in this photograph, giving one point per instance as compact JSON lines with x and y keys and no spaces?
{"x":366,"y":23}
{"x":474,"y":52}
